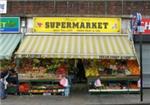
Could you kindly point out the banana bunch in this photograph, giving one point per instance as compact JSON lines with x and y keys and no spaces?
{"x":92,"y":72}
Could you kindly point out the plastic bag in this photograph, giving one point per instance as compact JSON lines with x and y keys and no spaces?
{"x":97,"y":83}
{"x":64,"y":82}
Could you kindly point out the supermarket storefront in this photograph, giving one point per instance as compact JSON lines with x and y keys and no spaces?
{"x":61,"y":37}
{"x":88,"y":39}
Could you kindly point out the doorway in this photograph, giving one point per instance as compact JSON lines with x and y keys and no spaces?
{"x":78,"y":78}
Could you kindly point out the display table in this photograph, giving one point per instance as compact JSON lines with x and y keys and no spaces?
{"x":49,"y":86}
{"x":114,"y":84}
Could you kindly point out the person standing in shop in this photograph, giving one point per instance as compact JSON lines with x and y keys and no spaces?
{"x":65,"y":83}
{"x":81,"y":71}
{"x":3,"y":84}
{"x":2,"y":88}
{"x":13,"y":79}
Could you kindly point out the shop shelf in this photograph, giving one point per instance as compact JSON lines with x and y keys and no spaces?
{"x":43,"y":86}
{"x":114,"y":81}
{"x":125,"y":91}
{"x":134,"y":90}
{"x":115,"y":78}
{"x":48,"y":91}
{"x":108,"y":90}
{"x":38,"y":80}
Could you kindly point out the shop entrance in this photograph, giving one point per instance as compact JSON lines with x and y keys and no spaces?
{"x":80,"y":75}
{"x":78,"y":80}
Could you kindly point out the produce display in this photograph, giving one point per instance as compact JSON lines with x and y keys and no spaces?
{"x":113,"y":67}
{"x":115,"y":75}
{"x":116,"y":85}
{"x":133,"y":86}
{"x":41,"y":69}
{"x":41,"y":76}
{"x":24,"y":88}
{"x":92,"y":72}
{"x":133,"y":67}
{"x":5,"y":64}
{"x":47,"y":89}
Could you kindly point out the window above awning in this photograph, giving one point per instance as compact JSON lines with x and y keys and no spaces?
{"x":8,"y":43}
{"x":93,"y":47}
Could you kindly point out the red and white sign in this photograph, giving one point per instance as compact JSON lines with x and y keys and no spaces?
{"x":146,"y":24}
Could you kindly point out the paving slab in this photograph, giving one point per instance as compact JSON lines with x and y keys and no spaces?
{"x":79,"y":99}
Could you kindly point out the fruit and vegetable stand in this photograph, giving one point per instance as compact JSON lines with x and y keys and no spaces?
{"x":41,"y":76}
{"x":41,"y":86}
{"x":114,"y":76}
{"x":5,"y":64}
{"x":114,"y":54}
{"x":126,"y":80}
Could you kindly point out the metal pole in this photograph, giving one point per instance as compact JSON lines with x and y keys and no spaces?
{"x":141,"y":66}
{"x":105,"y":7}
{"x":122,"y":8}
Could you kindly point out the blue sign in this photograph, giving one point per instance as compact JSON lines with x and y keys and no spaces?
{"x":9,"y":24}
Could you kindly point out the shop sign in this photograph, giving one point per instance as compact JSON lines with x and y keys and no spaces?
{"x":9,"y":24}
{"x":33,"y":56}
{"x":116,"y":57}
{"x":146,"y":24}
{"x":3,"y":6}
{"x":77,"y":24}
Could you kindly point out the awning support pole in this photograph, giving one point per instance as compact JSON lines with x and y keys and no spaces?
{"x":141,"y":68}
{"x":17,"y":60}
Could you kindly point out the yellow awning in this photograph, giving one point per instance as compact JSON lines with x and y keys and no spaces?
{"x":118,"y":47}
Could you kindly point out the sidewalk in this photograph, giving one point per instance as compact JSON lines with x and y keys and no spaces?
{"x":79,"y":99}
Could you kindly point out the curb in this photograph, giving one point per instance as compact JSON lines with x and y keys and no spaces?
{"x":123,"y":104}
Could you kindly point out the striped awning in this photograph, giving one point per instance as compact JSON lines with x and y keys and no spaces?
{"x":8,"y":43}
{"x":118,"y":47}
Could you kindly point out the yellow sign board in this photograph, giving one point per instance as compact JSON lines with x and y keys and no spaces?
{"x":77,"y":24}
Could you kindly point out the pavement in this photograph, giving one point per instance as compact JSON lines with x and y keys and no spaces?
{"x":79,"y":98}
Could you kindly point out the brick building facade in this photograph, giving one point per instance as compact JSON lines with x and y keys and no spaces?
{"x":121,"y":8}
{"x":100,"y":8}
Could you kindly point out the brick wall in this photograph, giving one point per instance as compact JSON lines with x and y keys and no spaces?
{"x":76,"y":8}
